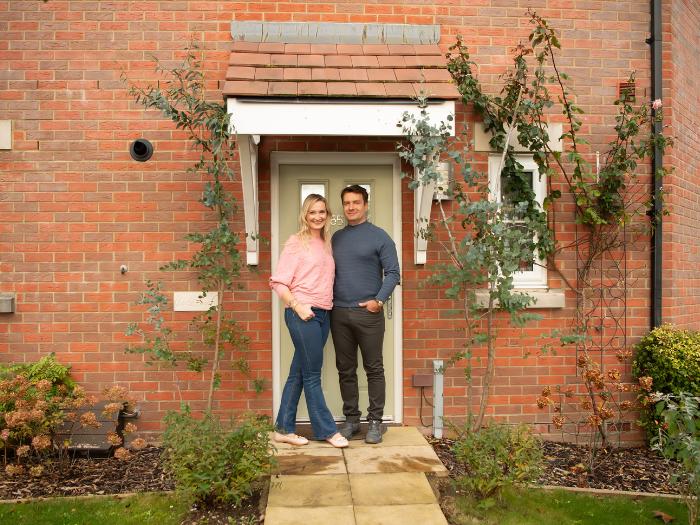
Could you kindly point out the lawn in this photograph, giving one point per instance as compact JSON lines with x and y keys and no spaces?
{"x":559,"y":507}
{"x":156,"y":509}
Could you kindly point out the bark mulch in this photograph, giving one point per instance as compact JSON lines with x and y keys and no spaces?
{"x":94,"y":475}
{"x":567,"y":465}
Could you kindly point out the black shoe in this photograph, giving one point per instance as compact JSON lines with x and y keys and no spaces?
{"x":349,"y":429}
{"x":374,"y":432}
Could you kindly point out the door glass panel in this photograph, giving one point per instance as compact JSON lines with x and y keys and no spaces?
{"x":307,"y":188}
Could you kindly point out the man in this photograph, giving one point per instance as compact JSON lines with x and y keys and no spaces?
{"x":366,"y":273}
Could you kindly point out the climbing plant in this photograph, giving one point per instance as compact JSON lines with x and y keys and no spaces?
{"x":180,"y":96}
{"x":611,"y":209}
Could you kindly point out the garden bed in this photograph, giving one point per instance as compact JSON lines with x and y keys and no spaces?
{"x":625,"y":469}
{"x":630,"y":470}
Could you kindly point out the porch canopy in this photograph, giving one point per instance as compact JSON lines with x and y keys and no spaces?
{"x":329,"y":79}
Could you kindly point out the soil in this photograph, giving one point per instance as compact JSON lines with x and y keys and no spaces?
{"x":569,"y":465}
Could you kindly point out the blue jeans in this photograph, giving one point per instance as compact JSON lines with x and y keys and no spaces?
{"x":309,"y":338}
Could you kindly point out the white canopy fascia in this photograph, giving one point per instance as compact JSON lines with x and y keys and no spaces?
{"x":346,"y":118}
{"x":252,"y":118}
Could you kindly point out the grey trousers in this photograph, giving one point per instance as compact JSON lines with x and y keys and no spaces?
{"x":350,"y":328}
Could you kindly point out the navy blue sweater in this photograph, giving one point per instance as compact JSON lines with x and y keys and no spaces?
{"x":366,"y":265}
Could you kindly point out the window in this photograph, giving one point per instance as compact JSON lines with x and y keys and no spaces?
{"x":533,"y":274}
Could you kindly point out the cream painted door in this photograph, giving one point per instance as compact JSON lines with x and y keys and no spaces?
{"x":295,"y":183}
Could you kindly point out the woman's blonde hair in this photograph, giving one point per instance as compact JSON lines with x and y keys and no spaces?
{"x":304,"y":233}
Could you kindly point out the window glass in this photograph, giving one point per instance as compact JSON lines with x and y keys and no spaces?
{"x":532,"y":274}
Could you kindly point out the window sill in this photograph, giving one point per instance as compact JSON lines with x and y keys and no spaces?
{"x":550,"y":299}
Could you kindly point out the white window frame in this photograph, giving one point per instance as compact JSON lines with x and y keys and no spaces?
{"x":537,"y":277}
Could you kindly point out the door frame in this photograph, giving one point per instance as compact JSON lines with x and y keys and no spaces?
{"x":278,"y":158}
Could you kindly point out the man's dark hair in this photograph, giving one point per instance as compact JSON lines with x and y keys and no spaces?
{"x":355,"y":188}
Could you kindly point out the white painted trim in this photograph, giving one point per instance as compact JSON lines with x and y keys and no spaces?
{"x":248,"y":154}
{"x":357,"y":159}
{"x":482,"y":139}
{"x":279,"y":117}
{"x":537,"y":277}
{"x":544,"y":299}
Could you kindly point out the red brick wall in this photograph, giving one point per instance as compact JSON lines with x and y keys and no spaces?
{"x":74,"y":206}
{"x":682,"y":106}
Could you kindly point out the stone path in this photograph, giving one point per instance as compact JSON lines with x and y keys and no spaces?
{"x":382,"y":484}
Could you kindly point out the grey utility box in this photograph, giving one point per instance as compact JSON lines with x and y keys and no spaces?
{"x":7,"y":303}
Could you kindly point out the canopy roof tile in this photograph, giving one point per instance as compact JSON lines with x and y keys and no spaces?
{"x":263,"y":69}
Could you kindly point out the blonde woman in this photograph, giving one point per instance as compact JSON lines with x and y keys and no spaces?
{"x":303,"y":280}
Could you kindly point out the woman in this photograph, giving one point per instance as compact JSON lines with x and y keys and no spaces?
{"x":304,"y":281}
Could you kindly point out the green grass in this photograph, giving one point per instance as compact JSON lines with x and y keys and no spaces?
{"x":558,"y":507}
{"x":147,"y":509}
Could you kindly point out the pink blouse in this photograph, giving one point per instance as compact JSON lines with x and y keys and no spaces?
{"x":308,"y":272}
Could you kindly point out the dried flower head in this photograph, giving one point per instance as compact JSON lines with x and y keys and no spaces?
{"x":41,"y":442}
{"x":14,"y":470}
{"x":558,"y":421}
{"x":623,"y":355}
{"x":656,"y":104}
{"x":36,"y":470}
{"x":582,"y":361}
{"x":115,"y":393}
{"x":122,"y":454}
{"x":586,"y":404}
{"x":646,"y":383}
{"x":569,"y":393}
{"x":130,"y":427}
{"x":606,"y":413}
{"x":614,"y":374}
{"x":114,"y":439}
{"x":23,"y":450}
{"x":594,"y":421}
{"x":111,"y":409}
{"x":5,"y":434}
{"x":43,"y":385}
{"x":625,"y":405}
{"x":89,"y":419}
{"x":546,"y":391}
{"x":138,"y":444}
{"x":543,"y":402}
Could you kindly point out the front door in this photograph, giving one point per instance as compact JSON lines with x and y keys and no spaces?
{"x":296,"y":181}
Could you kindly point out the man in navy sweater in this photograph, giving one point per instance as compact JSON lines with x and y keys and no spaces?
{"x":366,"y":273}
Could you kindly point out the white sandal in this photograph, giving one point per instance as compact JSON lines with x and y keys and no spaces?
{"x":338,"y":441}
{"x":292,"y":439}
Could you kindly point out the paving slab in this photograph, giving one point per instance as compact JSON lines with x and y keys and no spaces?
{"x":330,"y":490}
{"x":371,"y":459}
{"x":342,"y":515}
{"x":309,"y":461}
{"x":401,"y":437}
{"x":402,"y":488}
{"x":399,"y":515}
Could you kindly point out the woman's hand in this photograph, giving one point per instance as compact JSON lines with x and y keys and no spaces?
{"x":304,"y":311}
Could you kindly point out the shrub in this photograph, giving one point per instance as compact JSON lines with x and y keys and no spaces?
{"x":679,"y":439}
{"x":671,"y":357}
{"x":497,"y":456}
{"x":41,"y":408}
{"x":215,"y":462}
{"x":667,"y":361}
{"x":32,"y":399}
